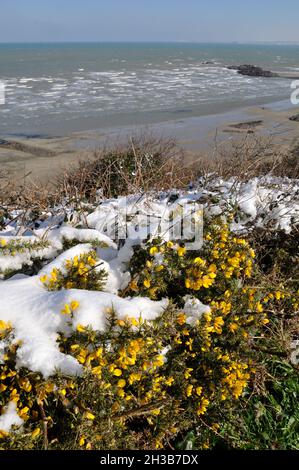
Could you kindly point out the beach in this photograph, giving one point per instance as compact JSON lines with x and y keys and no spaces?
{"x":42,"y":158}
{"x":63,"y":101}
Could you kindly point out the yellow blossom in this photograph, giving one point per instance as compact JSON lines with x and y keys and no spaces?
{"x":74,"y":305}
{"x":66,"y":310}
{"x":35,"y":433}
{"x":81,"y":328}
{"x":181,"y":251}
{"x":121,"y":383}
{"x":153,"y":250}
{"x":181,"y":319}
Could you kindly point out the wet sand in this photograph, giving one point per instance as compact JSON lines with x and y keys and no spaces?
{"x":42,"y":157}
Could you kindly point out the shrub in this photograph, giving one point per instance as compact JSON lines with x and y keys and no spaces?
{"x":81,"y":272}
{"x":144,"y":162}
{"x":192,"y":374}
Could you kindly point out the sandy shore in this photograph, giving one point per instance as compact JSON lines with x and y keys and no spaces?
{"x":43,"y":158}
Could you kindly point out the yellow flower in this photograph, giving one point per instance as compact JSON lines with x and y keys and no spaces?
{"x":233,"y":327}
{"x":117,"y":372}
{"x":74,"y":305}
{"x":135,"y":377}
{"x":91,"y":261}
{"x":133,"y":321}
{"x":181,"y":251}
{"x":97,"y":370}
{"x":207,"y":282}
{"x":121,"y":383}
{"x":181,"y":319}
{"x":259,"y":307}
{"x":89,"y":415}
{"x":147,"y":283}
{"x":25,"y":385}
{"x":212,"y":268}
{"x":203,"y":406}
{"x":4,"y":326}
{"x":215,"y":427}
{"x":44,"y":278}
{"x":187,"y":373}
{"x":153,"y":250}
{"x":66,"y":310}
{"x":81,"y":328}
{"x":24,"y":412}
{"x":159,"y":268}
{"x":278,"y":295}
{"x":134,"y":286}
{"x":82,"y":441}
{"x":35,"y":433}
{"x":189,"y":390}
{"x":169,"y":381}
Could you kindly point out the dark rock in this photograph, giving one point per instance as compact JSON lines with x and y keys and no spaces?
{"x":294,"y":118}
{"x":252,"y":71}
{"x":247,"y":125}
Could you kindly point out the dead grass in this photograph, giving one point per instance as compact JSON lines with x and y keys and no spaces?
{"x":249,"y":157}
{"x":143,"y":163}
{"x":146,"y":163}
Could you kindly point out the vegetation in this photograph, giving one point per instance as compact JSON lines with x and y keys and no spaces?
{"x":217,"y":369}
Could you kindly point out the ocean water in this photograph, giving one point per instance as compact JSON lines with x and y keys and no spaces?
{"x":54,"y":89}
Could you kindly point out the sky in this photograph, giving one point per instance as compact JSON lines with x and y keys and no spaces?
{"x":149,"y":20}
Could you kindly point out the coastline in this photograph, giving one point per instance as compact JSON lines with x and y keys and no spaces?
{"x":43,"y":158}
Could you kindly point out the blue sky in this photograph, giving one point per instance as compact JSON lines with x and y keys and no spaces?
{"x":149,"y":20}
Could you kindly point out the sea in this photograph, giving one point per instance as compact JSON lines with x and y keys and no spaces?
{"x":58,"y":88}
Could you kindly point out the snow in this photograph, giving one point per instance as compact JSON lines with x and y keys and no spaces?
{"x":112,"y":228}
{"x":57,"y":236}
{"x":10,"y":417}
{"x":194,"y":309}
{"x":36,"y":318}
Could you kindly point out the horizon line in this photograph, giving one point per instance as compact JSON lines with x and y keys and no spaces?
{"x":149,"y":42}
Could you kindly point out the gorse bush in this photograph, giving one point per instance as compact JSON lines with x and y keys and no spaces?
{"x":183,"y":376}
{"x":167,"y":268}
{"x":81,"y":272}
{"x":147,"y":396}
{"x":29,"y":254}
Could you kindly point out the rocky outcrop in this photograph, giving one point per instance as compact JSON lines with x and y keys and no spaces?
{"x":252,"y":71}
